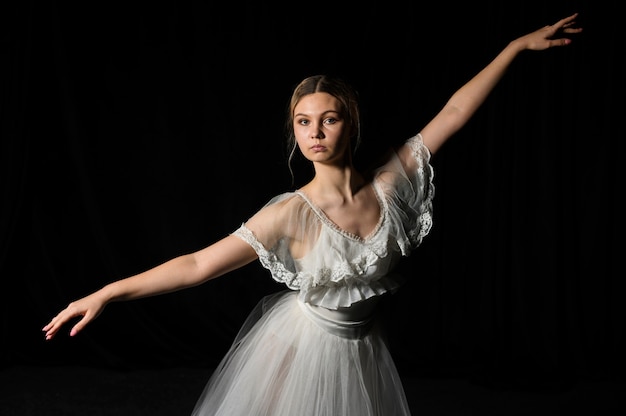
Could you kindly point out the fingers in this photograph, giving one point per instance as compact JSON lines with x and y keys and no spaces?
{"x":566,"y":21}
{"x":560,"y":42}
{"x":566,"y":24}
{"x":51,"y":329}
{"x":79,"y":326}
{"x":563,"y":26}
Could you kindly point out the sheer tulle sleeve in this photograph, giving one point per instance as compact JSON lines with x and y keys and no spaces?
{"x":284,"y":229}
{"x":407,"y":183}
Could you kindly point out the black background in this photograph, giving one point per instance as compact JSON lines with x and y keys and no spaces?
{"x":135,"y":132}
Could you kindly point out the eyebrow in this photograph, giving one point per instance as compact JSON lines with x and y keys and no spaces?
{"x":323,"y":113}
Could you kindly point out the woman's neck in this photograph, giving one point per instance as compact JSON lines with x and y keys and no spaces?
{"x":333,"y":182}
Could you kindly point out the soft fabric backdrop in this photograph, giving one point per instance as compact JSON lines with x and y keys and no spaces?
{"x":133,"y":133}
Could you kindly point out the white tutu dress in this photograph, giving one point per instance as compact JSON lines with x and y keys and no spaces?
{"x":316,"y":349}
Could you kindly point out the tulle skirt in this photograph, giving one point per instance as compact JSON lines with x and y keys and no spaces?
{"x":287,"y":361}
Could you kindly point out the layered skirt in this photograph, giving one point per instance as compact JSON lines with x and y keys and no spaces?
{"x":288,"y":360}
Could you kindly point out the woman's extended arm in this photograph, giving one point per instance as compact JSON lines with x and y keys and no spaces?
{"x":465,"y":101}
{"x":181,"y":272}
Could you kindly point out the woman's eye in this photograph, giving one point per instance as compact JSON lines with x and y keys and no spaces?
{"x":330,"y":121}
{"x":303,"y":122}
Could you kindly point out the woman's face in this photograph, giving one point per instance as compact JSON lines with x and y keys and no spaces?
{"x":321,"y":132}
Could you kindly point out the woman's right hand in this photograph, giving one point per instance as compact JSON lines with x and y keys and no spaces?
{"x":88,"y":308}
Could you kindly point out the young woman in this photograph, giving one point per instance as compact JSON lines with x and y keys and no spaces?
{"x":316,"y":348}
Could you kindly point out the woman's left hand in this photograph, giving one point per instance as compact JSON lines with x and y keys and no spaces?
{"x":544,"y":38}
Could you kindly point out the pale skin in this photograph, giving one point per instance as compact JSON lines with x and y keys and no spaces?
{"x":337,"y":187}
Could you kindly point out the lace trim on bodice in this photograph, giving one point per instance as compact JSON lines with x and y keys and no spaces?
{"x":340,"y":286}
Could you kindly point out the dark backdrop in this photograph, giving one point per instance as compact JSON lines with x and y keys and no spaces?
{"x":136,"y":132}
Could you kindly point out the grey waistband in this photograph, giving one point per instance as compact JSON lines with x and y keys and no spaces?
{"x":341,"y":328}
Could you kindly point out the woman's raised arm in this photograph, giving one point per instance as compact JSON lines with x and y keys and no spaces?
{"x":466,"y":100}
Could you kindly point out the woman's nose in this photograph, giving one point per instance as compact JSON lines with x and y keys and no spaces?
{"x":317,"y":134}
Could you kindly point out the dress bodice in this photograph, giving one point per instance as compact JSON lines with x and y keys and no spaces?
{"x":331,"y":267}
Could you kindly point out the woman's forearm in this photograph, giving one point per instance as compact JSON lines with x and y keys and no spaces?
{"x":175,"y":274}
